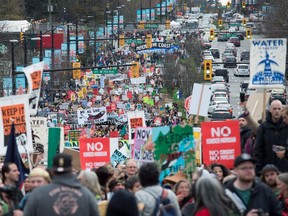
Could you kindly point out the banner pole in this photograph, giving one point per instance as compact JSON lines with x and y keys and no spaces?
{"x":264,"y":105}
{"x":199,"y":105}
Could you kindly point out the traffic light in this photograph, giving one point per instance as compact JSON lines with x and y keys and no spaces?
{"x":21,"y":36}
{"x":208,"y":69}
{"x":135,"y":70}
{"x":121,"y":40}
{"x":228,"y":4}
{"x":167,"y":24}
{"x":141,"y":25}
{"x":77,"y":72}
{"x":220,"y":22}
{"x":212,"y":34}
{"x":148,"y":41}
{"x":248,"y":33}
{"x":243,"y":5}
{"x":244,"y":21}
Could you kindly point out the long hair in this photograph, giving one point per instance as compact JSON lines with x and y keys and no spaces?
{"x":210,"y":195}
{"x":91,"y":181}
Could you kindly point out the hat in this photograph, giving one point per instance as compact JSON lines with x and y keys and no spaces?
{"x":269,"y":167}
{"x":243,"y":158}
{"x":176,"y":177}
{"x":241,"y":116}
{"x":62,"y":163}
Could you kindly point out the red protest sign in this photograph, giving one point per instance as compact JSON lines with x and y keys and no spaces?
{"x":114,"y":134}
{"x":94,"y":152}
{"x":220,"y":142}
{"x":129,"y":94}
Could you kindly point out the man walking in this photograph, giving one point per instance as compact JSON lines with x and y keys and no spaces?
{"x":271,"y":137}
{"x":64,"y":196}
{"x":252,"y":198}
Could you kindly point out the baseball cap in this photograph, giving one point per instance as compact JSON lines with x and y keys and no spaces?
{"x":269,"y":167}
{"x":62,"y":163}
{"x":243,"y":158}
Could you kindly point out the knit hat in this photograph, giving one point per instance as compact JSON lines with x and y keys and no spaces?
{"x":62,"y":163}
{"x":241,"y":116}
{"x":122,"y":203}
{"x":269,"y":167}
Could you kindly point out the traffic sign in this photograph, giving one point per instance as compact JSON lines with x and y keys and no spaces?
{"x":105,"y":71}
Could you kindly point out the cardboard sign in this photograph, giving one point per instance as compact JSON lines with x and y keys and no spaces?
{"x":16,"y":108}
{"x":92,"y":116}
{"x":220,"y":142}
{"x":34,"y":78}
{"x":75,"y":158}
{"x":73,"y":137}
{"x":200,"y":100}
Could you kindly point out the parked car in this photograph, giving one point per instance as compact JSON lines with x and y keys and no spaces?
{"x":242,"y":70}
{"x":230,"y":61}
{"x":235,"y":41}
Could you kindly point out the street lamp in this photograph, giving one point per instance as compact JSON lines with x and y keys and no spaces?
{"x":13,"y":65}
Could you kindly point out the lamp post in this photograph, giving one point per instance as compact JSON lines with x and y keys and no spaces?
{"x":118,"y":23}
{"x":13,"y":65}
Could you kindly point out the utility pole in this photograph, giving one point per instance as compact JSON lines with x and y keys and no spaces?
{"x":50,"y":14}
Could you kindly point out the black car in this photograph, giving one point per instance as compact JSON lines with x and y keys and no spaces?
{"x":245,"y":55}
{"x":215,"y":52}
{"x":222,"y":72}
{"x":230,"y":61}
{"x":221,"y":116}
{"x":222,"y":37}
{"x":240,"y":36}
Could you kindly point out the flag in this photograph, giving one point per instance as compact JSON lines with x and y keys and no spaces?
{"x":13,"y":156}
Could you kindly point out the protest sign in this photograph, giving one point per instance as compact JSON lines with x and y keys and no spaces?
{"x":34,"y":78}
{"x":92,"y":116}
{"x":15,"y":108}
{"x":220,"y":142}
{"x":39,"y":135}
{"x":73,"y":138}
{"x":55,"y":143}
{"x":135,"y":119}
{"x":200,"y":100}
{"x":143,"y":146}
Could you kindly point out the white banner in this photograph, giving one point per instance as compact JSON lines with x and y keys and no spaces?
{"x":39,"y":134}
{"x":200,"y":100}
{"x":92,"y":116}
{"x":15,"y":108}
{"x":139,"y":80}
{"x":34,"y":76}
{"x":267,"y":63}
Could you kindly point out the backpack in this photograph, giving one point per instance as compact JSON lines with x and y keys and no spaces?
{"x":163,"y":206}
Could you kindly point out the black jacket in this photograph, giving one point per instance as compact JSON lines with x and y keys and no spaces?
{"x":245,"y":133}
{"x":269,"y":134}
{"x":262,"y":197}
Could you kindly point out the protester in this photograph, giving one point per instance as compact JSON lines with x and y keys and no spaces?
{"x":64,"y":196}
{"x":269,"y":177}
{"x":271,"y":140}
{"x":245,"y":131}
{"x":122,"y":203}
{"x":10,"y":192}
{"x":220,"y":170}
{"x":114,"y":185}
{"x":210,"y":198}
{"x":133,"y":184}
{"x":149,"y":179}
{"x":253,"y":198}
{"x":131,"y":168}
{"x":182,"y":191}
{"x":282,"y":185}
{"x":90,"y":180}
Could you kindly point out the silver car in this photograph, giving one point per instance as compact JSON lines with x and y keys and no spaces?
{"x":242,"y":70}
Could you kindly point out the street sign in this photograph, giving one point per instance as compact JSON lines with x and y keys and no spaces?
{"x":105,"y":71}
{"x":135,"y":41}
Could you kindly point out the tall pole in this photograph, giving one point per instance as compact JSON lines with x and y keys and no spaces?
{"x":118,"y":28}
{"x":68,"y":45}
{"x":141,"y":10}
{"x":25,"y":52}
{"x":50,"y":14}
{"x":150,"y":6}
{"x":160,"y":11}
{"x":166,"y":10}
{"x":52,"y":46}
{"x":76,"y":36}
{"x":41,"y":46}
{"x":13,"y":69}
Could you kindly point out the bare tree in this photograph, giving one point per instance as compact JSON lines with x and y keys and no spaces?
{"x":12,"y":9}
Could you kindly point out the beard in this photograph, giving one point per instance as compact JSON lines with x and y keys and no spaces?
{"x":246,"y":179}
{"x":271,"y":183}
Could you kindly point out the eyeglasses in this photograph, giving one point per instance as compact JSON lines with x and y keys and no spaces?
{"x":132,"y":167}
{"x":246,"y":168}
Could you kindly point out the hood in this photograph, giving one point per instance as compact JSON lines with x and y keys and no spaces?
{"x":245,"y":128}
{"x":67,"y":179}
{"x":269,"y":120}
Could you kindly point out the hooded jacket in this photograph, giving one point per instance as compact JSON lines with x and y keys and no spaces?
{"x":262,"y":197}
{"x":64,"y":196}
{"x":245,"y":133}
{"x":269,"y":134}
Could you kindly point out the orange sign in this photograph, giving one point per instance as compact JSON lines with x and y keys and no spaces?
{"x":36,"y":79}
{"x":220,"y":142}
{"x":136,"y":122}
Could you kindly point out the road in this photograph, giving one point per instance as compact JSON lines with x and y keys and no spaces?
{"x":234,"y":82}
